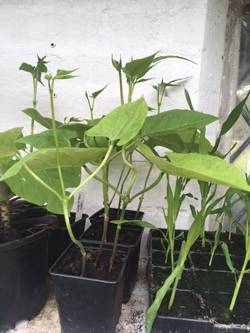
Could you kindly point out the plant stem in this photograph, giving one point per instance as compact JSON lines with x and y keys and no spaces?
{"x":117,"y":186}
{"x":102,"y":164}
{"x":130,"y":91}
{"x":52,"y":107}
{"x":112,"y":259}
{"x":141,"y":198}
{"x":121,"y":87}
{"x":155,"y":182}
{"x":72,"y":237}
{"x":34,"y":103}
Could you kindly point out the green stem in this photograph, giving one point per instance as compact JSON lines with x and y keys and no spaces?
{"x":85,"y":181}
{"x":130,"y":91}
{"x":51,"y":94}
{"x":238,"y":284}
{"x":112,"y":259}
{"x":72,"y":237}
{"x":105,"y":205}
{"x":121,"y":87}
{"x":117,"y":186}
{"x":173,"y":293}
{"x":152,"y":185}
{"x":141,"y":198}
{"x":111,"y":186}
{"x":34,"y":104}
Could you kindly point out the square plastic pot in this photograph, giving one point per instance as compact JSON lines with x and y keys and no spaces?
{"x":86,"y":304}
{"x":23,"y":278}
{"x":132,"y":248}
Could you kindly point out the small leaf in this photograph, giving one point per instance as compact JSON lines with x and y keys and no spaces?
{"x":36,"y":116}
{"x":98,"y":92}
{"x":229,"y":262}
{"x":63,"y":74}
{"x":27,"y":68}
{"x":136,"y":69}
{"x":139,"y":223}
{"x":188,"y":99}
{"x":8,"y":139}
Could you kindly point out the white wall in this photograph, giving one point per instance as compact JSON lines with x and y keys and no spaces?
{"x":86,"y":34}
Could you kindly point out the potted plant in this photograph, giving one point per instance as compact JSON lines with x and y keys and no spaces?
{"x":55,"y":170}
{"x":58,"y":236}
{"x":207,"y":169}
{"x":134,"y":72}
{"x":23,"y":247}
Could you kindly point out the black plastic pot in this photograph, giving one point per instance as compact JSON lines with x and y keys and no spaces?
{"x":114,"y":214}
{"x":88,"y":304}
{"x":132,"y":247}
{"x":203,"y":294}
{"x":23,"y":278}
{"x":59,"y":237}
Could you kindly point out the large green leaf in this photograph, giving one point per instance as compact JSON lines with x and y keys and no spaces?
{"x":123,"y":123}
{"x":43,"y":163}
{"x":24,"y":185}
{"x":8,"y":139}
{"x":175,"y":121}
{"x":46,"y":139}
{"x":198,"y":166}
{"x":36,"y":116}
{"x":181,"y":142}
{"x":45,"y":159}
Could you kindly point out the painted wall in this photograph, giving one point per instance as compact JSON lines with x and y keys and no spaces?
{"x":85,"y":34}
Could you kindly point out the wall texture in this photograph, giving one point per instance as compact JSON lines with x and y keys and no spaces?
{"x":85,"y":34}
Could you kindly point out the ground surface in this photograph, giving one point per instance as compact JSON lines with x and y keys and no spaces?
{"x":131,"y":320}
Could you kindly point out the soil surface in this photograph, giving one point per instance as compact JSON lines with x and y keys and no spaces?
{"x":72,"y":264}
{"x":127,"y":236}
{"x":131,"y":320}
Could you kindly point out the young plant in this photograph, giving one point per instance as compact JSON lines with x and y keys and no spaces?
{"x":8,"y":149}
{"x":36,"y":73}
{"x":245,"y":231}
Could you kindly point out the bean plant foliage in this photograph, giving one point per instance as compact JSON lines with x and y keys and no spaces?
{"x":45,"y":168}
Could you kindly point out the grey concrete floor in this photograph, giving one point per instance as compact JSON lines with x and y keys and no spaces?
{"x":131,"y":320}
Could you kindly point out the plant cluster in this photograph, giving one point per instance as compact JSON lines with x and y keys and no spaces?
{"x":53,"y":160}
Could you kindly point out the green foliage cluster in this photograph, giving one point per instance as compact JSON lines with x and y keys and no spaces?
{"x":54,"y":158}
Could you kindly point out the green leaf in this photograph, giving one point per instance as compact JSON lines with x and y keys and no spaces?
{"x":24,"y":185}
{"x":188,"y":99}
{"x":45,"y":159}
{"x":153,"y":309}
{"x":139,"y":67}
{"x":8,"y":141}
{"x":157,"y":59}
{"x":98,"y":92}
{"x":229,"y":262}
{"x":46,"y":139}
{"x":64,"y":74}
{"x":230,"y":121}
{"x":117,"y":64}
{"x":182,"y":142}
{"x":205,"y":168}
{"x":27,"y":68}
{"x":175,"y":121}
{"x":139,"y":223}
{"x":44,"y":121}
{"x":43,"y":163}
{"x":123,"y":123}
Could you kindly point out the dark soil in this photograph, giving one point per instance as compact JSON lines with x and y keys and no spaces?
{"x":127,"y":236}
{"x":186,"y":305}
{"x":71,"y":264}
